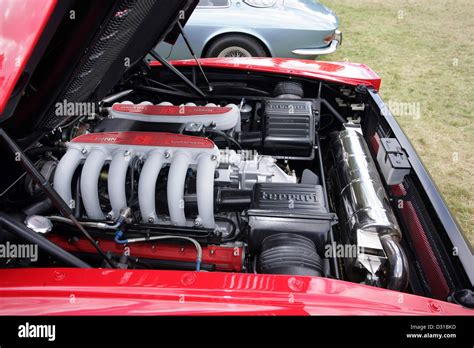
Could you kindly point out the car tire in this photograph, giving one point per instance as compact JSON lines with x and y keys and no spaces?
{"x":235,"y":46}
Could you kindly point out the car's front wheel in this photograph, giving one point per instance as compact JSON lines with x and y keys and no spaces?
{"x":236,"y":46}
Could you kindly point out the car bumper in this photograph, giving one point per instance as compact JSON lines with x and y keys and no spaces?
{"x":322,"y":50}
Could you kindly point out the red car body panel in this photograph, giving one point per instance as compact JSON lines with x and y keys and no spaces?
{"x":61,"y":291}
{"x":22,"y":23}
{"x":145,"y":292}
{"x":348,"y":73}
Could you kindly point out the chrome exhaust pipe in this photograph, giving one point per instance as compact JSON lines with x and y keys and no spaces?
{"x":365,"y":213}
{"x":398,"y":263}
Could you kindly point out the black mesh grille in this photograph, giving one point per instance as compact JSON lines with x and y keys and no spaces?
{"x":127,"y":17}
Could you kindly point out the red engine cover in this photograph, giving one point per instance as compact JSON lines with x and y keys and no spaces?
{"x":171,"y":110}
{"x":145,"y":139}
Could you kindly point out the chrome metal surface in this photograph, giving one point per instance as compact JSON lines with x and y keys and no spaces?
{"x":39,"y":224}
{"x":364,"y":202}
{"x":234,"y":51}
{"x":317,"y":51}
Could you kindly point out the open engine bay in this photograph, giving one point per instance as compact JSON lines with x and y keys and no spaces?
{"x":263,"y":175}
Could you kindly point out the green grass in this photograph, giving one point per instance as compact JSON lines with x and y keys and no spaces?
{"x":424,"y":52}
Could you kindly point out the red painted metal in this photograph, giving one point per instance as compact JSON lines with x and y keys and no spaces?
{"x":224,"y":258}
{"x":348,"y":73}
{"x":138,"y":292}
{"x":22,"y":23}
{"x":162,"y":110}
{"x":145,"y":139}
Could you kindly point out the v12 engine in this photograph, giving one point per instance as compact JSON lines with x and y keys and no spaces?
{"x":244,"y":186}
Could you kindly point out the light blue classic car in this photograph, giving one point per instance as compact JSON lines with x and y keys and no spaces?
{"x":258,"y":28}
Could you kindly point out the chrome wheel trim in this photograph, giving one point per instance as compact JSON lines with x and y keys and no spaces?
{"x":234,"y":51}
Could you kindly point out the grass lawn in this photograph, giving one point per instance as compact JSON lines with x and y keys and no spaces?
{"x":424,"y":52}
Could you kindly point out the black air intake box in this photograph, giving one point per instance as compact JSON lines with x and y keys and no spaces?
{"x":289,"y":128}
{"x":288,"y":208}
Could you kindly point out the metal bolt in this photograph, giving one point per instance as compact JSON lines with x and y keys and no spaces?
{"x":151,"y":220}
{"x":167,"y":154}
{"x":212,"y":251}
{"x":196,"y":222}
{"x":126,"y":153}
{"x":84,"y":151}
{"x":213,"y":157}
{"x":108,"y":216}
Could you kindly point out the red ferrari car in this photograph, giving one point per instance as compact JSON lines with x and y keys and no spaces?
{"x":213,"y":186}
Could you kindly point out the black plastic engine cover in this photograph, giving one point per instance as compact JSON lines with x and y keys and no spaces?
{"x":289,"y":128}
{"x":288,"y":208}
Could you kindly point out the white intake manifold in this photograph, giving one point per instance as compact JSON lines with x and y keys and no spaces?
{"x":156,"y":150}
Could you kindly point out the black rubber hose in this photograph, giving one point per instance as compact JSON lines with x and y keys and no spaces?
{"x":225,"y":136}
{"x":37,"y":151}
{"x":285,"y":253}
{"x":28,"y":235}
{"x":232,"y":199}
{"x":288,"y":89}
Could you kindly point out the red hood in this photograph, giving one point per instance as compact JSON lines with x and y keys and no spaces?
{"x":137,"y":292}
{"x":342,"y":72}
{"x":22,"y":24}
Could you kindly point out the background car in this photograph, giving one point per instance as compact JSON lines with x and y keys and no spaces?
{"x":258,"y":28}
